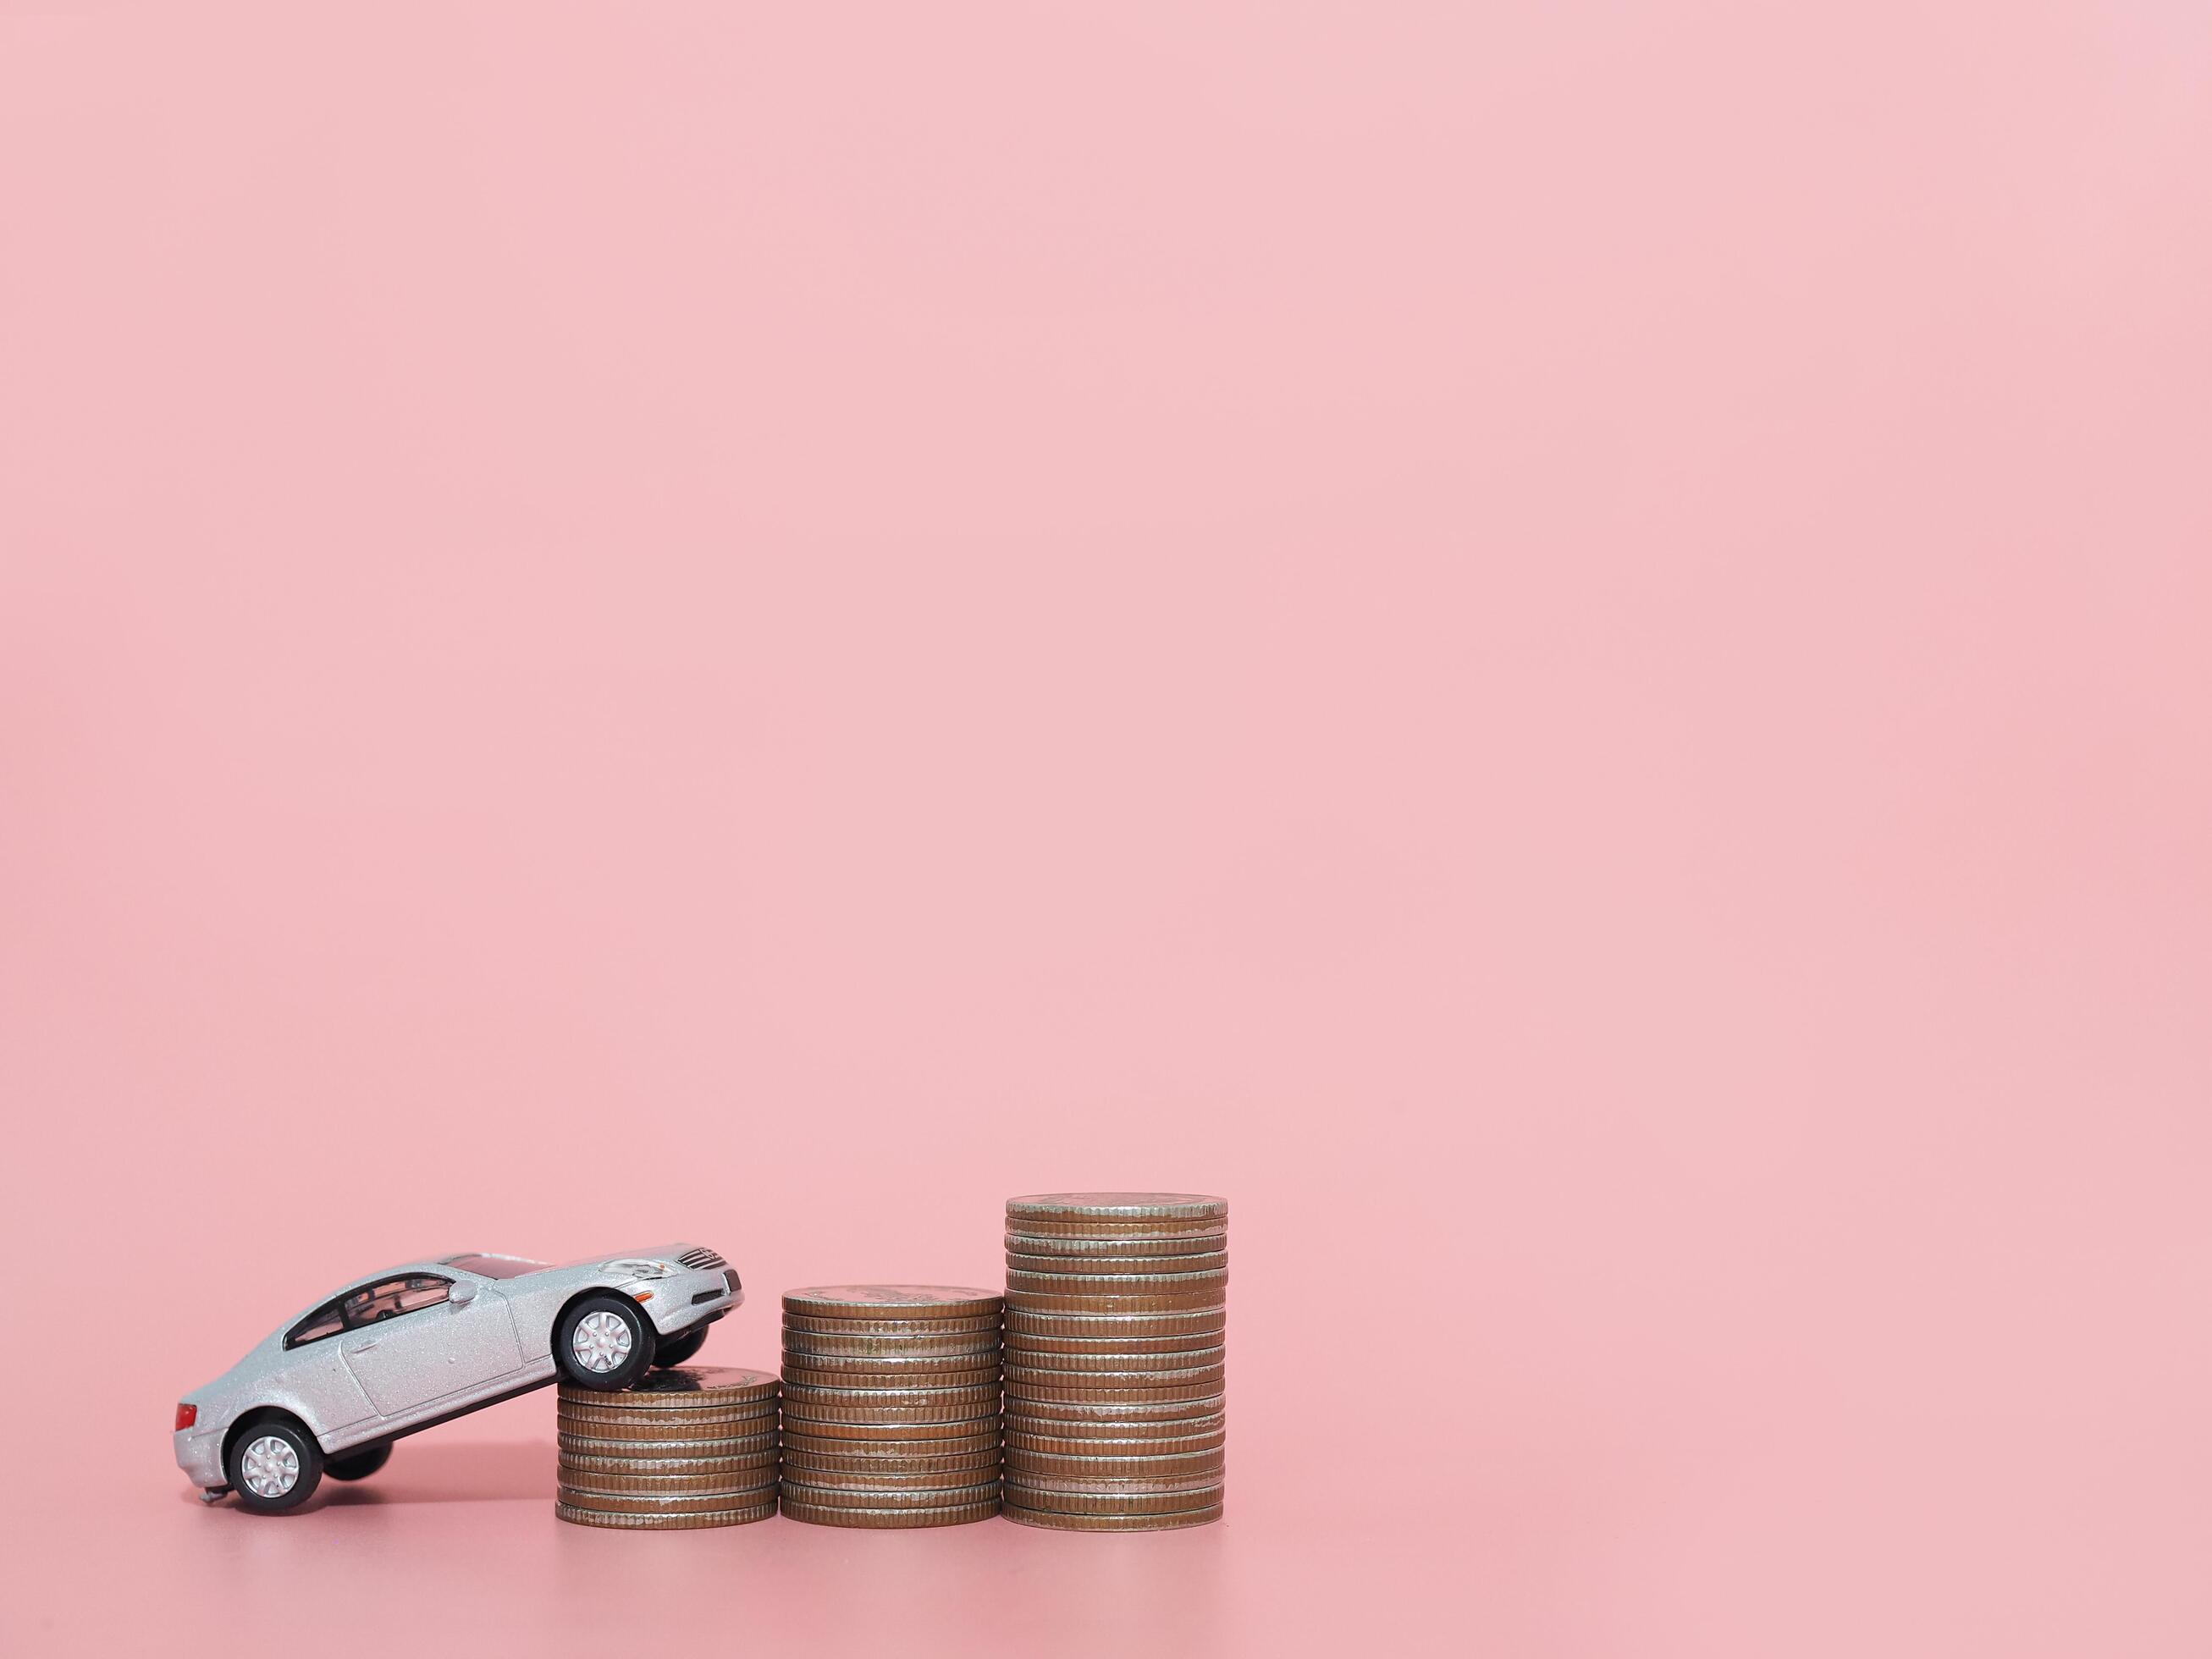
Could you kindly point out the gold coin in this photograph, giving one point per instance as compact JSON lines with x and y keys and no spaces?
{"x":591,"y":1471}
{"x":733,"y":1517}
{"x":1118,"y":1206}
{"x":891,"y":1301}
{"x":919,"y":1365}
{"x":680,"y":1504}
{"x":833,"y":1325}
{"x":1060,"y":1428}
{"x":940,"y":1421}
{"x":1101,"y":1266}
{"x":981,"y":1436}
{"x":874,"y":1480}
{"x":1210,"y":1235}
{"x":806,"y":1376}
{"x":1036,"y":1445}
{"x":1019,"y":1395}
{"x":960,"y":1470}
{"x":1211,"y":1285}
{"x":881,"y":1427}
{"x":919,"y":1394}
{"x":1054,"y":1302}
{"x":978,"y":1345}
{"x":1022,"y":1464}
{"x":1021,"y":1327}
{"x":1073,"y":1352}
{"x":1062,"y":1521}
{"x":1028,"y":1379}
{"x":680,"y":1388}
{"x":821,"y":1514}
{"x":1101,"y":1360}
{"x":1058,"y":1416}
{"x":740,"y":1447}
{"x":664,"y":1425}
{"x":923,"y":1497}
{"x":1079,"y":1246}
{"x":1100,"y":1502}
{"x":1034,"y":1488}
{"x":745,"y":1481}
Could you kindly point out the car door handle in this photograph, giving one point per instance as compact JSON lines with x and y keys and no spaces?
{"x":362,"y":1346}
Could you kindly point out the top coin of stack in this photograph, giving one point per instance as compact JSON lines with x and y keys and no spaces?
{"x":1116,"y":1316}
{"x":690,"y":1446}
{"x":890,"y":1405}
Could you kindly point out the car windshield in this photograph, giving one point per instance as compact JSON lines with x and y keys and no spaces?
{"x":493,"y":1266}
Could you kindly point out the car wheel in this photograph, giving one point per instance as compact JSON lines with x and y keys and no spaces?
{"x":675,"y":1350}
{"x":603,"y":1342}
{"x":358,"y":1466}
{"x":274,"y":1464}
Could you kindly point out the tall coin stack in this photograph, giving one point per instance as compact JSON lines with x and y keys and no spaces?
{"x":890,"y":1405}
{"x":691,"y":1446}
{"x":1116,"y":1315}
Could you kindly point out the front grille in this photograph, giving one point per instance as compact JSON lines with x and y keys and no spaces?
{"x":701,"y":1257}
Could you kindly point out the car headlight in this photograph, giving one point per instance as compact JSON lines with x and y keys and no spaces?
{"x":641,"y":1269}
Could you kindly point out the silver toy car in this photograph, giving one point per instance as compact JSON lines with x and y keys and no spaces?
{"x":329,"y":1392}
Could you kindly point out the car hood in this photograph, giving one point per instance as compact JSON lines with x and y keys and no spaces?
{"x":650,"y":1253}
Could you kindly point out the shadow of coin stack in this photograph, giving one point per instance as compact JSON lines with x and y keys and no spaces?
{"x":890,"y":1405}
{"x":1117,"y":1319}
{"x":691,"y":1446}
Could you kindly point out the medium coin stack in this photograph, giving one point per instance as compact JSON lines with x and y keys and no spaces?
{"x":691,"y":1446}
{"x":890,"y":1405}
{"x":1117,"y":1315}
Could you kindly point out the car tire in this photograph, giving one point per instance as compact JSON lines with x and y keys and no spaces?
{"x":274,"y":1464}
{"x":603,"y":1342}
{"x":358,"y":1466}
{"x":675,"y":1350}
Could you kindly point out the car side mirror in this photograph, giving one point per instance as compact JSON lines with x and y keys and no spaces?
{"x":462,"y":1294}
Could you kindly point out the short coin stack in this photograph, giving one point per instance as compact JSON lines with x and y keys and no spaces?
{"x":691,"y":1446}
{"x":1117,"y":1314}
{"x":890,"y":1405}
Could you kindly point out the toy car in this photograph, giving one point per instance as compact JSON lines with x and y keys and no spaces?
{"x":330,"y":1390}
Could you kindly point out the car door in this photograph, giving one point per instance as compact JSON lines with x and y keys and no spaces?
{"x":316,"y":1375}
{"x":409,"y":1342}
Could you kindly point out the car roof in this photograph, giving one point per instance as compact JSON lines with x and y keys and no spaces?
{"x":359,"y":1281}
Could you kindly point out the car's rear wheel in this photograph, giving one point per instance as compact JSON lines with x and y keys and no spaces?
{"x":675,"y":1350}
{"x":274,"y":1464}
{"x":358,"y":1466}
{"x":604,"y":1341}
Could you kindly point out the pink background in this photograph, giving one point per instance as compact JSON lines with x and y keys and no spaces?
{"x":1564,"y":648}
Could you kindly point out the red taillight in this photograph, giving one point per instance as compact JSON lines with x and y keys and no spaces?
{"x":187,"y":1415}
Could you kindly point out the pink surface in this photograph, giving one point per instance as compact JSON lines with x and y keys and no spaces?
{"x":1565,"y":649}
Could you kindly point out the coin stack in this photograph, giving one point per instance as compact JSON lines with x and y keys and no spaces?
{"x":691,"y":1446}
{"x":890,"y":1405}
{"x":1116,"y":1312}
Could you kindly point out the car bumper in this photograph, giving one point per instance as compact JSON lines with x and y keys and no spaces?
{"x":682,"y":1300}
{"x":200,"y":1455}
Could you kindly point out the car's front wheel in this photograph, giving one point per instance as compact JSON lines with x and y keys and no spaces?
{"x":358,"y":1466}
{"x":603,"y":1342}
{"x":675,"y":1350}
{"x":274,"y":1464}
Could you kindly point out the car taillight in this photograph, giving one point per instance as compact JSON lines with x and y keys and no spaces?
{"x":187,"y":1415}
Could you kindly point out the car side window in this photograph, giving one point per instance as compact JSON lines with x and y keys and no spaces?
{"x":390,"y":1298}
{"x":326,"y":1320}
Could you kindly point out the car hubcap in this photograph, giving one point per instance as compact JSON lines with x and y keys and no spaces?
{"x":601,"y":1342}
{"x":270,"y":1467}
